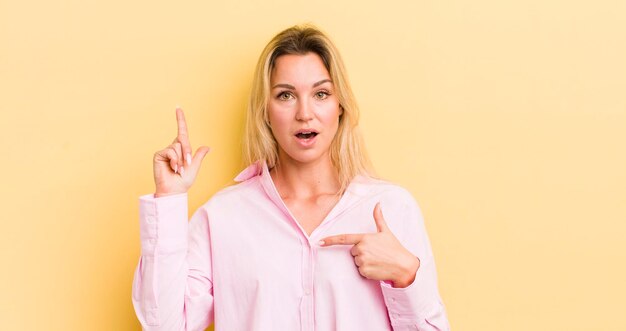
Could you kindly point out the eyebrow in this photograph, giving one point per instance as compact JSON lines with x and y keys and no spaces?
{"x":287,"y":86}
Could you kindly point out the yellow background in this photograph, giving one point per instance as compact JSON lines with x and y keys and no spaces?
{"x":506,"y":119}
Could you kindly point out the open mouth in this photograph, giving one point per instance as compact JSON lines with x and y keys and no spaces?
{"x":306,"y":135}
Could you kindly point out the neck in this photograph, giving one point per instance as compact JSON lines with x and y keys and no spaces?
{"x":296,"y":180}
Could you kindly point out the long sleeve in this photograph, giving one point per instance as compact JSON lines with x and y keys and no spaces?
{"x":172,"y":286}
{"x":419,"y":305}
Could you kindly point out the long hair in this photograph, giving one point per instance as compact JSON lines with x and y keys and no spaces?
{"x":347,"y":150}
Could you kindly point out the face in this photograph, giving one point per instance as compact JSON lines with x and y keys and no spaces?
{"x":303,"y":108}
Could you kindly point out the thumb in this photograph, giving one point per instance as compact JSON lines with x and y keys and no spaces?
{"x":201,"y":152}
{"x":381,"y":225}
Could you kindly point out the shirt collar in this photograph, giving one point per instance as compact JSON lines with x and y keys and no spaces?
{"x":260,"y":168}
{"x":252,"y":170}
{"x":356,"y":191}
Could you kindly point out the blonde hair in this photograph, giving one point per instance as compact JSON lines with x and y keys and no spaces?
{"x":347,"y":149}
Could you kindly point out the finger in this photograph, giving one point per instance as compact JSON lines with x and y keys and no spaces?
{"x":201,"y":152}
{"x":358,"y":261}
{"x":381,"y":225}
{"x":362,"y":272}
{"x":179,"y":156}
{"x":171,"y":155}
{"x":355,"y":250}
{"x":183,"y":135}
{"x":342,"y":239}
{"x":162,"y":156}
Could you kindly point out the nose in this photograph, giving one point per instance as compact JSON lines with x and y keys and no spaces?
{"x":305,"y":111}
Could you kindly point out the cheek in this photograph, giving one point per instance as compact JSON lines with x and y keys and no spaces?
{"x":330,"y":115}
{"x":278,"y":119}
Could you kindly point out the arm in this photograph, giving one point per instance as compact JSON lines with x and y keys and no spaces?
{"x":417,"y":306}
{"x":172,"y":287}
{"x":403,"y":259}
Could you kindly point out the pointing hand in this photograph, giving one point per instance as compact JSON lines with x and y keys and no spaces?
{"x":175,"y":169}
{"x":380,"y":255}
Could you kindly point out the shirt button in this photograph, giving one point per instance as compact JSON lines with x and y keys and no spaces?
{"x":395,"y":315}
{"x":307,"y":292}
{"x":152,"y":241}
{"x":393,"y":299}
{"x":150,"y":219}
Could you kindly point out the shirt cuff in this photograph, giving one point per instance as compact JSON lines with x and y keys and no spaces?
{"x":163,"y":224}
{"x":411,"y":304}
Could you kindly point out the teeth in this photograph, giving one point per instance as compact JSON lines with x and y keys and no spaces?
{"x":306,"y":135}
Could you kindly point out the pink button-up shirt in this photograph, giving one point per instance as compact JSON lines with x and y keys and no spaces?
{"x":245,"y":263}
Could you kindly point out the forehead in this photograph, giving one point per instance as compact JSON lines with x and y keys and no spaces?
{"x":296,"y":68}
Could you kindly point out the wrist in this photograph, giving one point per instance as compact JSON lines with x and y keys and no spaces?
{"x":164,"y":194}
{"x":407,"y":273}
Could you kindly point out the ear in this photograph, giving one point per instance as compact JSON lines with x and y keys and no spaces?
{"x":340,"y":110}
{"x":267,"y":122}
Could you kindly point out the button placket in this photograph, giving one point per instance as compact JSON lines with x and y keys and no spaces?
{"x":307,"y":309}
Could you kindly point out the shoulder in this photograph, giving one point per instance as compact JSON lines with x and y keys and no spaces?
{"x":393,"y":198}
{"x":236,"y":194}
{"x":399,"y":207}
{"x":383,"y":188}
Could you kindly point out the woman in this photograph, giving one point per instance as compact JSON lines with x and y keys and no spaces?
{"x":301,"y":242}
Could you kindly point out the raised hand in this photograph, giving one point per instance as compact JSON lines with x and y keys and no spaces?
{"x":380,"y":255}
{"x":174,"y":168}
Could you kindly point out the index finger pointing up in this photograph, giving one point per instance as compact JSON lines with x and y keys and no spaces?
{"x":183,"y":134}
{"x":182,"y":125}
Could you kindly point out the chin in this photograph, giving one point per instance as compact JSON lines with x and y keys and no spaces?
{"x":307,"y":156}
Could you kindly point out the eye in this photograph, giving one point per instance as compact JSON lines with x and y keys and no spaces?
{"x":322,"y":95}
{"x":285,"y":96}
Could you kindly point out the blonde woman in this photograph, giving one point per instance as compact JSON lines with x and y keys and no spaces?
{"x":308,"y":239}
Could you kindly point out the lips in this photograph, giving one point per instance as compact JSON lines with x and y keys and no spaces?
{"x":306,"y":134}
{"x":306,"y":138}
